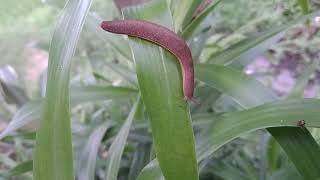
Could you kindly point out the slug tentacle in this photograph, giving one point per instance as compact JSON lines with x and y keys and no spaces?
{"x":163,"y":37}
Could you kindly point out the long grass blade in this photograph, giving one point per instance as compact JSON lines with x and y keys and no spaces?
{"x":90,"y":153}
{"x":187,"y":32}
{"x":116,"y":149}
{"x":159,"y":78}
{"x":183,"y":13}
{"x":228,"y":126}
{"x":53,"y":150}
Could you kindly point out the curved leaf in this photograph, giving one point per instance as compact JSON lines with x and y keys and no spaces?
{"x":228,"y":126}
{"x":53,"y":150}
{"x":294,"y":147}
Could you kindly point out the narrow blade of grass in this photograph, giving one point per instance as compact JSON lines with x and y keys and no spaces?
{"x":188,"y":31}
{"x":183,"y":13}
{"x":90,"y":153}
{"x":116,"y":149}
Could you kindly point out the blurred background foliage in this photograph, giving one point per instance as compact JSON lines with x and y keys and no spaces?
{"x":26,"y":28}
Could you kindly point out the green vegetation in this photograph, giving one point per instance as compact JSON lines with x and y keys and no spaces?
{"x":112,"y":108}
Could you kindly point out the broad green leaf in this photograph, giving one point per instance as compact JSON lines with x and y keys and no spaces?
{"x":294,"y":147}
{"x":188,"y":31}
{"x":228,"y":126}
{"x":160,"y":82}
{"x":184,"y":12}
{"x":300,"y":145}
{"x":90,"y":153}
{"x":53,"y":150}
{"x":304,"y":4}
{"x":116,"y":149}
{"x":81,"y":94}
{"x":17,"y":170}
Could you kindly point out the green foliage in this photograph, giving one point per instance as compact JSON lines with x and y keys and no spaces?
{"x":117,"y":111}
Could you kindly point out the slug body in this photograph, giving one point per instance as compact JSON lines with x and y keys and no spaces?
{"x":163,"y":37}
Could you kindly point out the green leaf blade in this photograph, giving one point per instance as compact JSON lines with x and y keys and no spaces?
{"x":160,"y":82}
{"x":53,"y":150}
{"x":281,"y":113}
{"x":184,"y":12}
{"x":190,"y":28}
{"x":90,"y":152}
{"x":116,"y":149}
